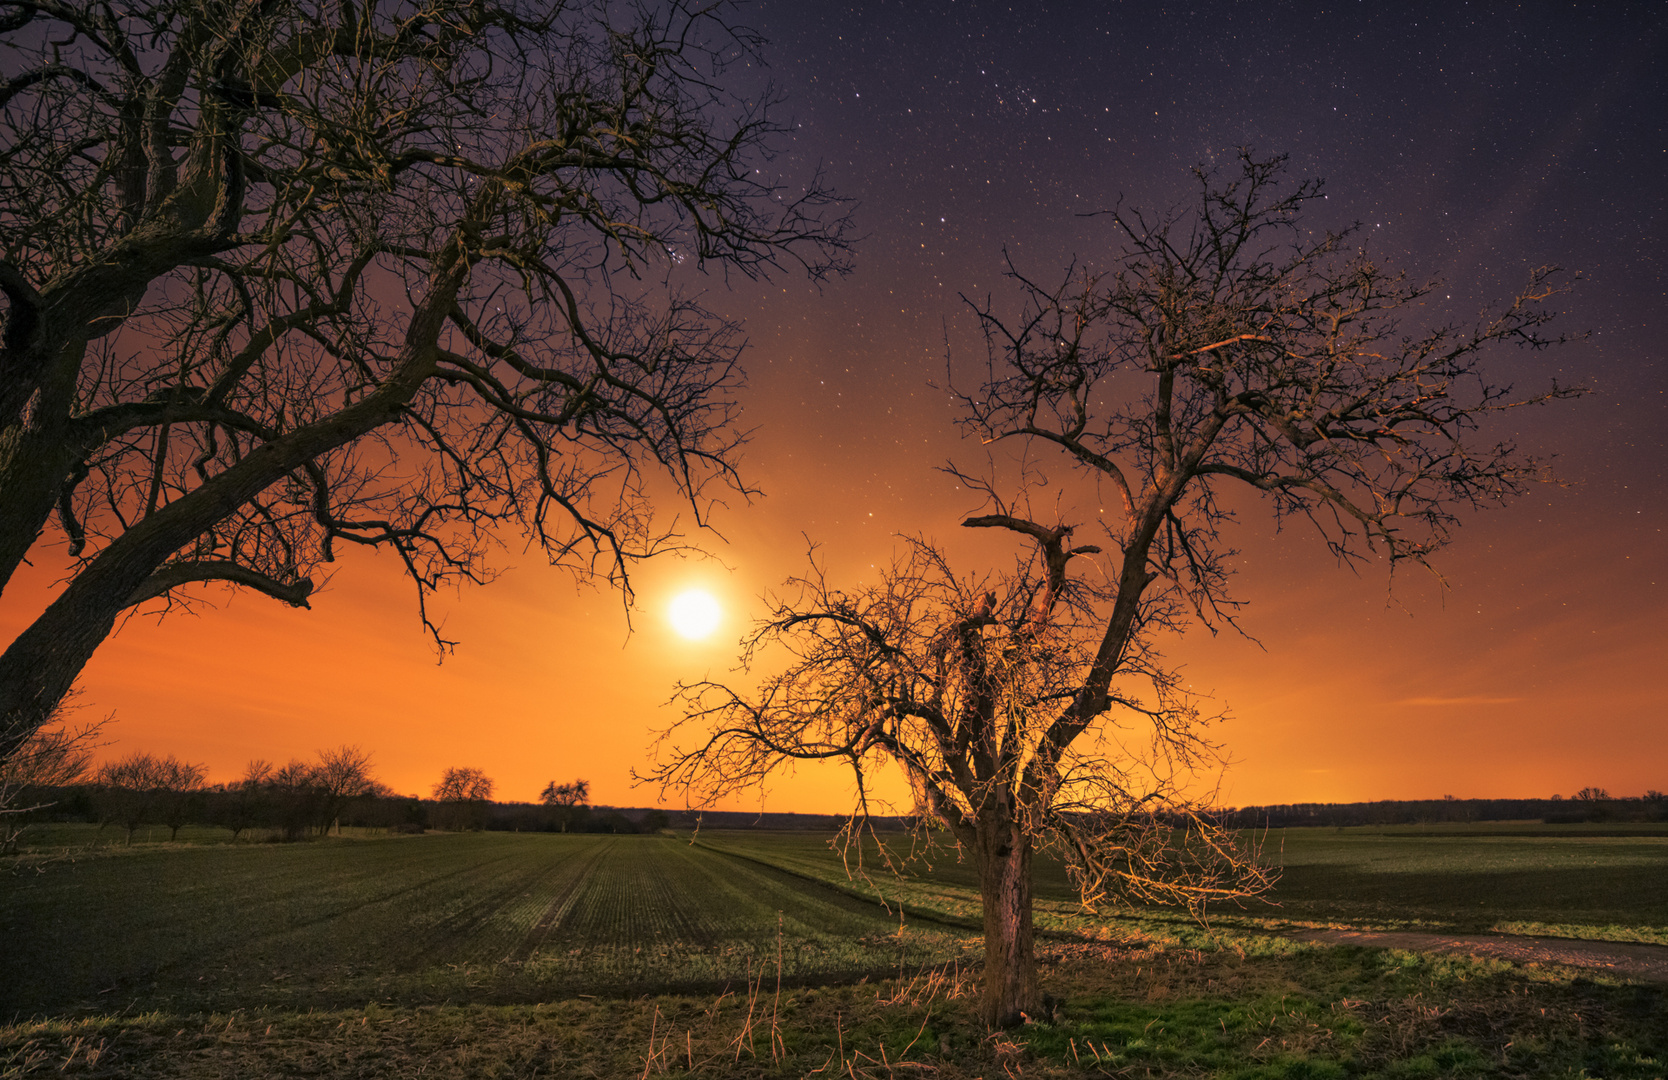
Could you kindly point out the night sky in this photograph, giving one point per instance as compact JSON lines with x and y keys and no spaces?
{"x":1472,"y":142}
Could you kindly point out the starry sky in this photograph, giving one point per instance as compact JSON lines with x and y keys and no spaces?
{"x":1471,"y":142}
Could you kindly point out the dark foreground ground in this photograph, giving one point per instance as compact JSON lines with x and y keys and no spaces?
{"x":1126,"y":1012}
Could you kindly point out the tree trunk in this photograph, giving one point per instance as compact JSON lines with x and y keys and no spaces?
{"x":34,"y":459}
{"x":1004,"y":854}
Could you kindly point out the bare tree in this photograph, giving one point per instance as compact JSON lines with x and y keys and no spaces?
{"x":295,"y":798}
{"x":573,"y":794}
{"x":281,"y":276}
{"x":463,"y":794}
{"x":463,"y":785}
{"x":140,"y":788}
{"x":246,"y":802}
{"x":341,"y":776}
{"x":309,"y":796}
{"x":179,"y":797}
{"x":959,"y":682}
{"x":1226,"y":347}
{"x":569,"y":799}
{"x":58,"y":754}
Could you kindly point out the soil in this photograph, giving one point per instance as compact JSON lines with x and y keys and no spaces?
{"x":1648,"y":963}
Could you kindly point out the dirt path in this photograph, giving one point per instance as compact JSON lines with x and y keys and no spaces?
{"x":1646,"y":962}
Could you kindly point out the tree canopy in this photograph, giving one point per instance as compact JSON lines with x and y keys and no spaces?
{"x":281,"y":278}
{"x":1225,"y":346}
{"x":464,"y":784}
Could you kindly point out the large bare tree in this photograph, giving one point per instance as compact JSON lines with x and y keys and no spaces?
{"x":281,"y":276}
{"x":1226,"y":346}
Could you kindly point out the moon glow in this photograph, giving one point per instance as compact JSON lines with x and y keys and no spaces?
{"x":694,"y":614}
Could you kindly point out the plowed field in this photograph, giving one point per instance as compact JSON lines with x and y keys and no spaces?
{"x":490,"y":917}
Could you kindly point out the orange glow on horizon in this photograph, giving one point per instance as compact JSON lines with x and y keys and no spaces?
{"x":1515,"y":682}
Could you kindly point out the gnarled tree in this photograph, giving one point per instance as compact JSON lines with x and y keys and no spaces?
{"x":281,"y":276}
{"x":1226,"y":346}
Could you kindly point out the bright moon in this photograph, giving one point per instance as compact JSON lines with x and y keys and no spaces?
{"x":695,"y":614}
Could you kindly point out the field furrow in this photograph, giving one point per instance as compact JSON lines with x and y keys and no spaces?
{"x":499,"y":917}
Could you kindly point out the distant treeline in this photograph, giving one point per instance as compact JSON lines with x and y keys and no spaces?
{"x":295,"y":807}
{"x":1589,"y":805}
{"x":290,"y":802}
{"x":526,"y":817}
{"x":289,"y":813}
{"x":297,"y":801}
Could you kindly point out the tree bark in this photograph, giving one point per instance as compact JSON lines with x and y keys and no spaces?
{"x":1004,"y":854}
{"x":37,"y":450}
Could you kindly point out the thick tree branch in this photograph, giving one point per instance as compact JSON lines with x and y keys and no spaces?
{"x":173,"y":575}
